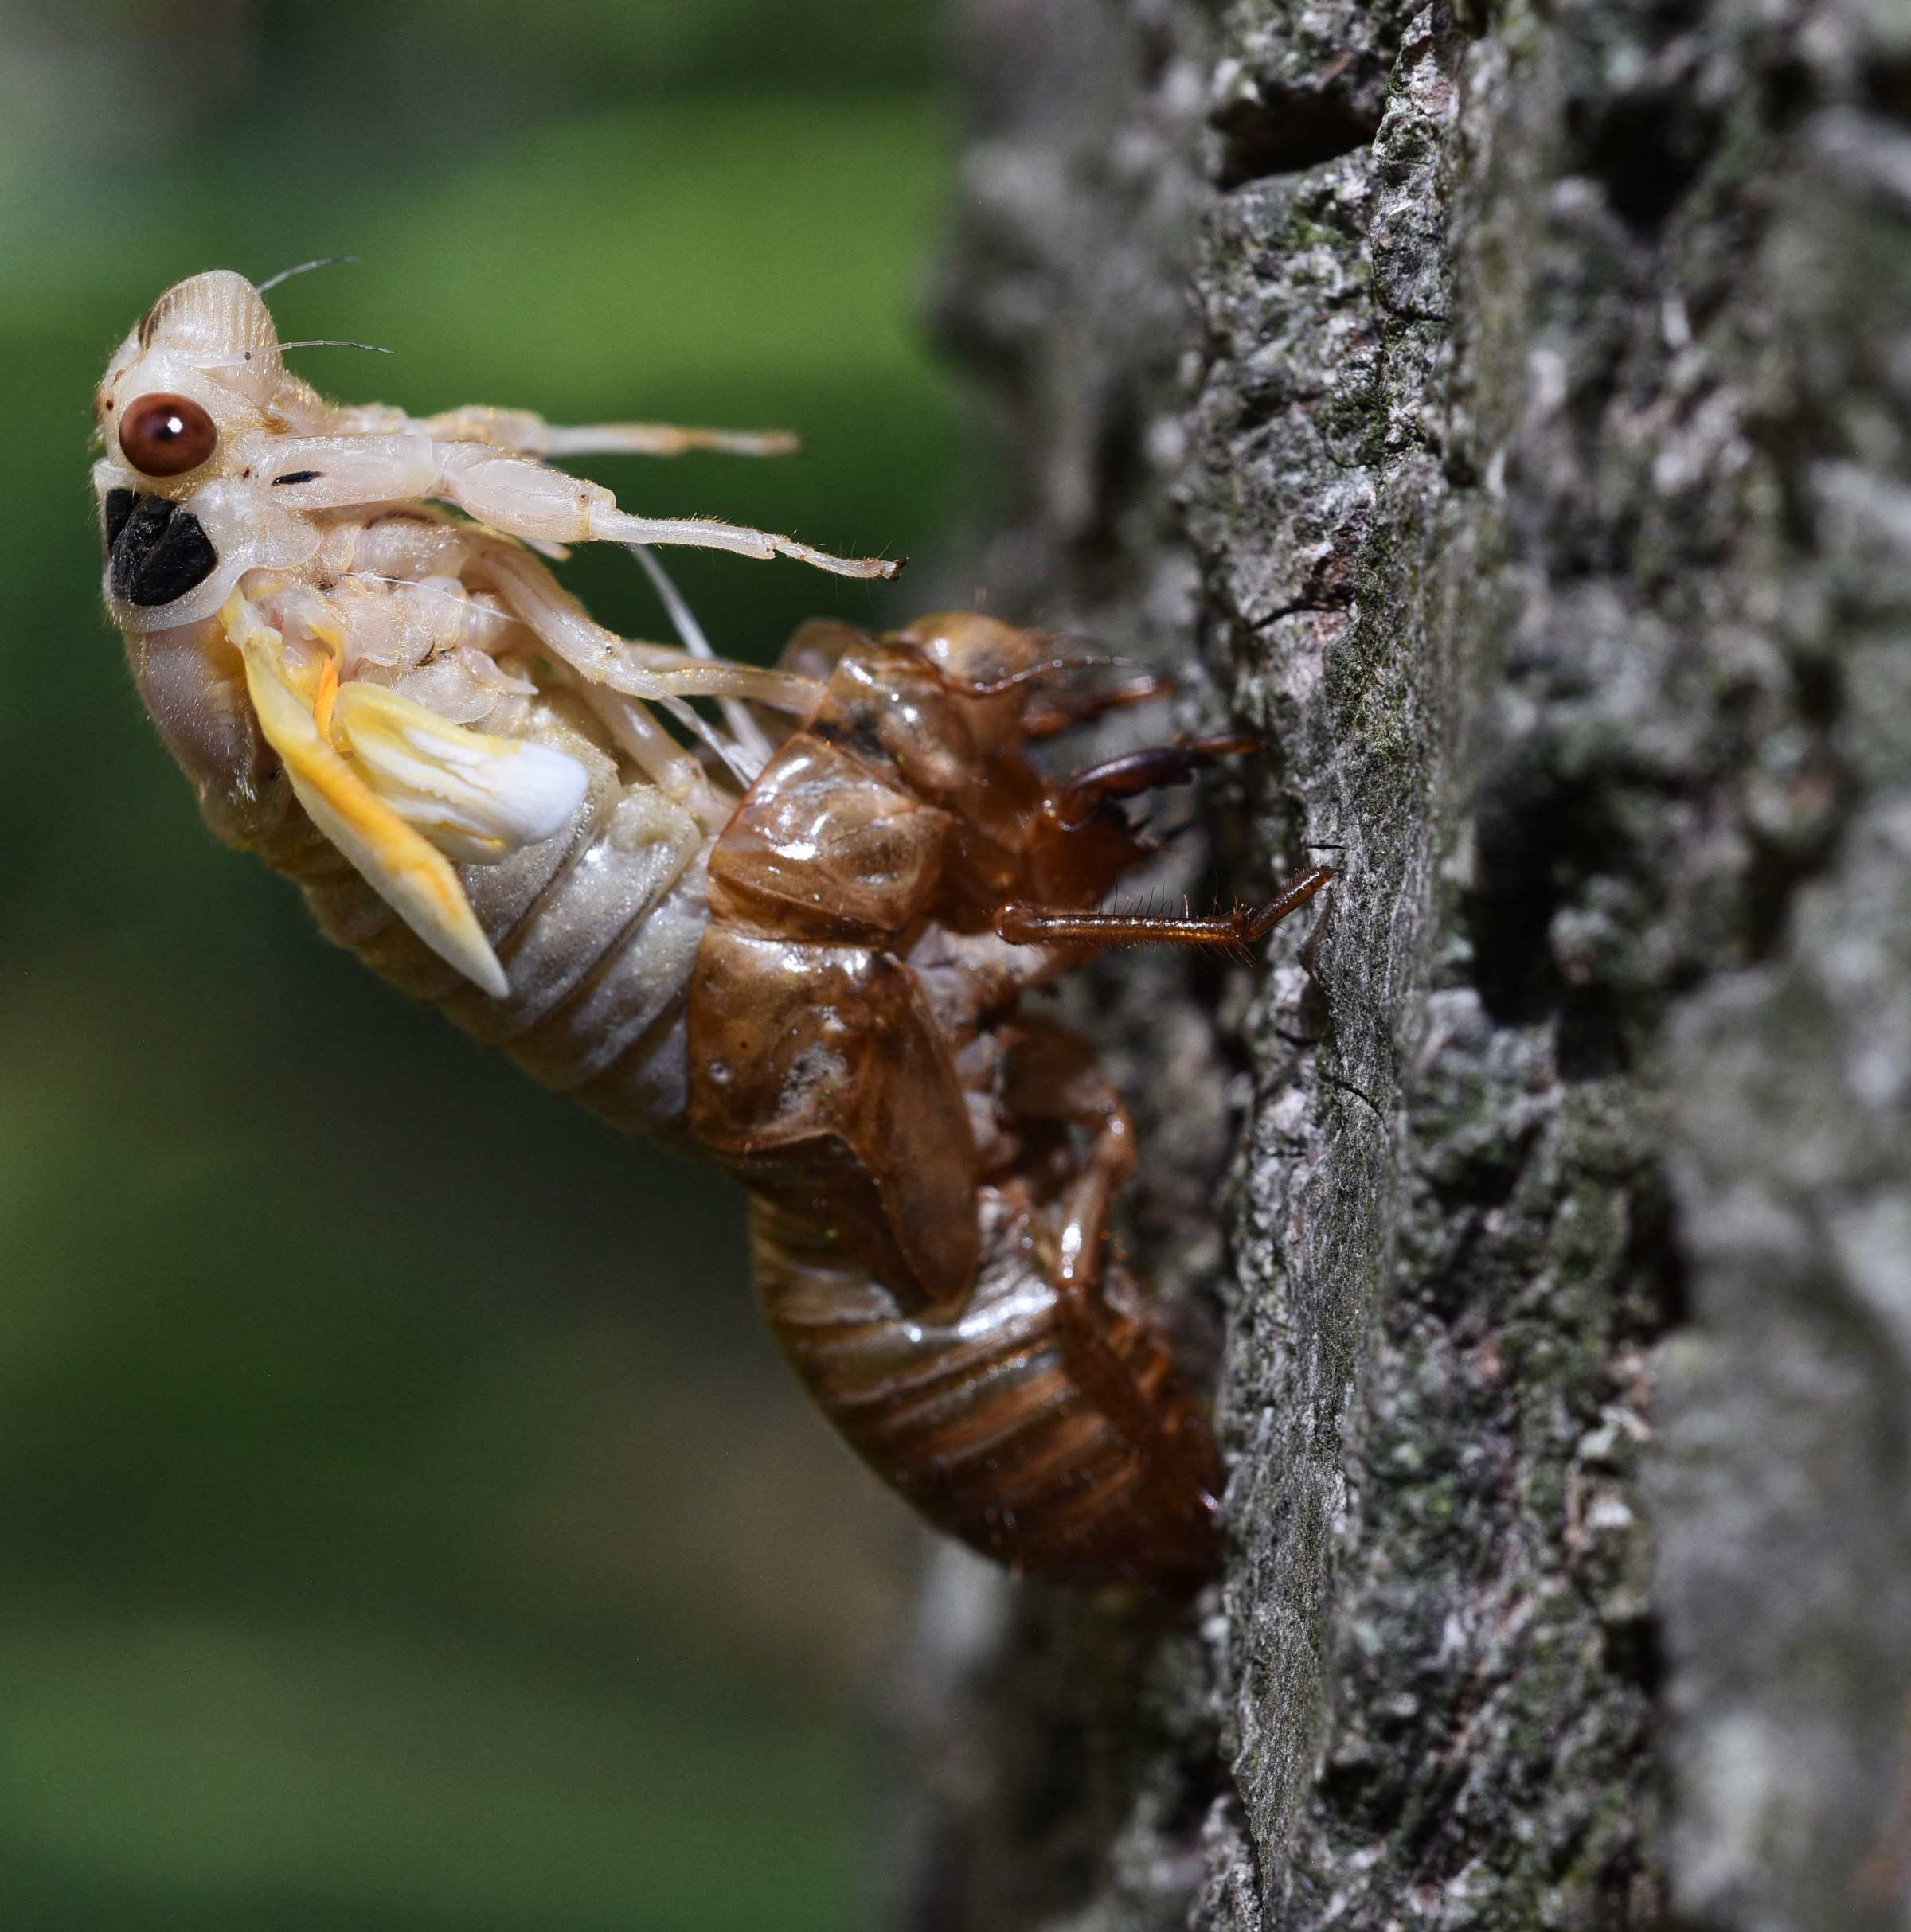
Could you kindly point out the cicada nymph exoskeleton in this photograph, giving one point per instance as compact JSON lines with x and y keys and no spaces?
{"x":798,"y":950}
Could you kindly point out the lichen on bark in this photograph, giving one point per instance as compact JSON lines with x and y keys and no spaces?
{"x":1504,"y":408}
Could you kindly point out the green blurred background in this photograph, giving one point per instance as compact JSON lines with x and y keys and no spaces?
{"x":402,"y":1523}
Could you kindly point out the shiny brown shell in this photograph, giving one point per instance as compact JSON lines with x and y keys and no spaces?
{"x":933,"y":1169}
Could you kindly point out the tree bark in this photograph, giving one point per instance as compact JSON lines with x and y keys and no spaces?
{"x":1505,"y":408}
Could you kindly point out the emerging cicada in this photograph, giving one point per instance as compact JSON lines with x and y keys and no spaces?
{"x":799,"y":955}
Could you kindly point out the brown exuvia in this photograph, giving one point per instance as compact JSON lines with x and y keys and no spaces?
{"x":932,"y":1168}
{"x":803,"y":959}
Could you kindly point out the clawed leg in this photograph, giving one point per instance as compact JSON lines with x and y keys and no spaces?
{"x":1024,"y":925}
{"x":1064,"y":711}
{"x":1051,"y":1075}
{"x":1057,"y":1079}
{"x":1144,"y":771}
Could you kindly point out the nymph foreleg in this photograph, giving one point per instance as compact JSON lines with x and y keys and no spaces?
{"x":1051,"y":1075}
{"x":1063,"y":711}
{"x":1025,"y":925}
{"x":1148,"y":770}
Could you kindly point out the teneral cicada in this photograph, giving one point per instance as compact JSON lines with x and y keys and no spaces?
{"x":788,"y":931}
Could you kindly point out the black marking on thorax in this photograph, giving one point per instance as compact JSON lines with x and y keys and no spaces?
{"x":118,"y":507}
{"x":156,"y":552}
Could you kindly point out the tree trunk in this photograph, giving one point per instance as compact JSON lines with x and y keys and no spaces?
{"x":1503,"y":408}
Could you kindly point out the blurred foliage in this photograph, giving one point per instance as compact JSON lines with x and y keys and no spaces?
{"x":583,"y":51}
{"x":402,"y":1522}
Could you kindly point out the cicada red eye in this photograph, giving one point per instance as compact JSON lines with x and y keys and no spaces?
{"x":166,"y":435}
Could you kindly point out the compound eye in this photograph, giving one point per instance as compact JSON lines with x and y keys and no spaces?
{"x":166,"y":435}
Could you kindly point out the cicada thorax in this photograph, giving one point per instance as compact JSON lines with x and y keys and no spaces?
{"x":923,"y":1157}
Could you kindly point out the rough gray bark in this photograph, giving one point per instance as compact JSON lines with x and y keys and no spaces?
{"x":1505,"y":407}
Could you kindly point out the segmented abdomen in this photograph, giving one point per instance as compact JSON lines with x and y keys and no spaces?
{"x":988,"y":1420}
{"x":597,"y":930}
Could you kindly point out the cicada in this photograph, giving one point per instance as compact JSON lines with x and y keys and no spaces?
{"x":780,"y":918}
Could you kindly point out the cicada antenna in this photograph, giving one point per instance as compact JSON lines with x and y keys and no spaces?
{"x":314,"y":342}
{"x":328,"y":341}
{"x":286,"y":274}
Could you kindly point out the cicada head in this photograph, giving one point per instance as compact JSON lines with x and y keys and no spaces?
{"x":182,"y":517}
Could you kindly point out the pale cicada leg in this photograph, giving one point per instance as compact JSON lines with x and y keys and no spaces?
{"x":620,"y":680}
{"x":660,"y":757}
{"x":512,"y":494}
{"x":525,"y":433}
{"x":525,"y":499}
{"x":661,"y":760}
{"x":652,"y":672}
